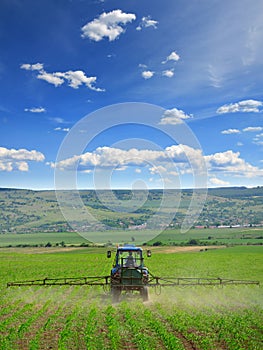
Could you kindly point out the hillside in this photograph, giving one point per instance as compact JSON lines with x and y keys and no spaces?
{"x":25,"y":211}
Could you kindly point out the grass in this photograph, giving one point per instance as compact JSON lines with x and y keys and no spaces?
{"x":78,"y":317}
{"x":226,"y":236}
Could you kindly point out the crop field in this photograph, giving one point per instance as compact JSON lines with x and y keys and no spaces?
{"x":82,"y":317}
{"x":214,"y":236}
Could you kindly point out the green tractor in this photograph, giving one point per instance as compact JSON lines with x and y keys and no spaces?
{"x":129,"y":273}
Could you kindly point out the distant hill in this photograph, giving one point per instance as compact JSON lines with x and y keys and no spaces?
{"x":24,"y":211}
{"x":236,"y":192}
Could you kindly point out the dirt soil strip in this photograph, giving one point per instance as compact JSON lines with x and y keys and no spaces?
{"x":188,"y":249}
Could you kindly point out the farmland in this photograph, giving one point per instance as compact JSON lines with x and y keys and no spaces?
{"x":27,"y":211}
{"x":81,"y":317}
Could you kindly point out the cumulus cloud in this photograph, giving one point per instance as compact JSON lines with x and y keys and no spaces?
{"x":147,"y":74}
{"x":174,"y":116}
{"x":172,"y":57}
{"x":12,"y":159}
{"x":230,"y":131}
{"x":230,"y":163}
{"x":51,"y":78}
{"x":253,"y":129}
{"x":246,"y":106}
{"x":169,"y":73}
{"x":108,"y":25}
{"x":171,"y":162}
{"x":114,"y":157}
{"x":35,"y":110}
{"x":73,"y":78}
{"x":147,"y":22}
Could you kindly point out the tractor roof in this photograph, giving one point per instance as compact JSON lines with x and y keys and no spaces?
{"x":129,"y":247}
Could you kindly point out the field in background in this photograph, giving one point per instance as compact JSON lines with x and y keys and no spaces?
{"x":84,"y":318}
{"x":233,"y":236}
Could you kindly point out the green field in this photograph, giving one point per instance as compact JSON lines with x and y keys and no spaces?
{"x":233,"y":236}
{"x":81,"y":317}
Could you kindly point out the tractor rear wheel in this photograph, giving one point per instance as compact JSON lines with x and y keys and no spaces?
{"x":144,"y":293}
{"x":115,"y":292}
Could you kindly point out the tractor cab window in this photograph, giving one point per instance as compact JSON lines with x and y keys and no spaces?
{"x":130,"y":258}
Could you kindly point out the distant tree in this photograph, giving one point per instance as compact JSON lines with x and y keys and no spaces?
{"x":157,"y":243}
{"x":193,"y":242}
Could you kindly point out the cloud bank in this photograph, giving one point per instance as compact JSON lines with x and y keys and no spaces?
{"x":175,"y":160}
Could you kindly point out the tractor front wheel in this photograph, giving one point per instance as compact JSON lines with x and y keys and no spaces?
{"x":144,"y":293}
{"x":115,"y":292}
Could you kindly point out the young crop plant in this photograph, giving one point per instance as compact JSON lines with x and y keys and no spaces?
{"x":83,"y":317}
{"x":93,"y":339}
{"x":170,"y":340}
{"x":135,"y":321}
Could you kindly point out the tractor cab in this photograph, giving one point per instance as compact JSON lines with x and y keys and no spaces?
{"x":129,"y":256}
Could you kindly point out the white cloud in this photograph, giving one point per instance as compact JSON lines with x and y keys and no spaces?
{"x":173,"y":161}
{"x":230,"y":163}
{"x":218,"y":182}
{"x":147,"y":22}
{"x":50,"y":78}
{"x":35,"y":110}
{"x":114,"y":157}
{"x":36,"y":66}
{"x":109,"y":25}
{"x":12,"y":159}
{"x":172,"y":57}
{"x":230,"y":131}
{"x":257,"y":140}
{"x":242,"y":106}
{"x":169,"y":73}
{"x":253,"y":129}
{"x":62,"y":129}
{"x":141,"y":65}
{"x":158,"y":170}
{"x":147,"y":74}
{"x":214,"y":76}
{"x":22,"y":166}
{"x":74,"y":78}
{"x":174,"y":116}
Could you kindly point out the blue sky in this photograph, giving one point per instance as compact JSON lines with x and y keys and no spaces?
{"x":191,"y":69}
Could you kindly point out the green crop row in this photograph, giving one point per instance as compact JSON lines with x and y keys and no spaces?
{"x":83,"y":317}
